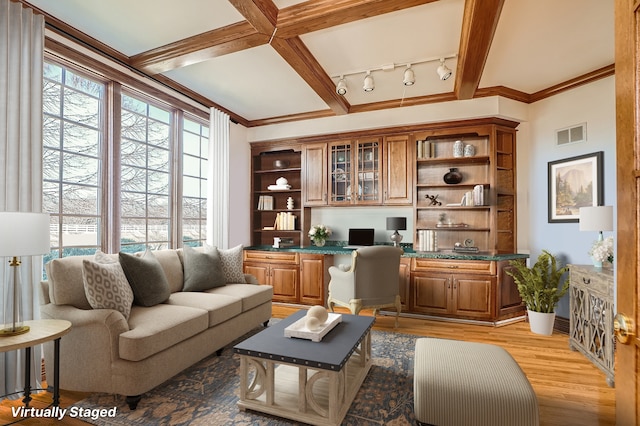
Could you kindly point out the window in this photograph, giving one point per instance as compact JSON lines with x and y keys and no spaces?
{"x":145,"y":175}
{"x":73,"y":121}
{"x":146,"y":189}
{"x":195,"y":148}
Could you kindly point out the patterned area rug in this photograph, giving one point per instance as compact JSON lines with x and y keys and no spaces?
{"x":207,"y":393}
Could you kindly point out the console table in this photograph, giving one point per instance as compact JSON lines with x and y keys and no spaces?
{"x":41,"y":331}
{"x":591,"y":316}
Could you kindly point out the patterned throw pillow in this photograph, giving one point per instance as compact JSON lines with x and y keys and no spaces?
{"x":232,"y":264}
{"x":106,"y":287}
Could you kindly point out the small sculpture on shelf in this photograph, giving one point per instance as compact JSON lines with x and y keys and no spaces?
{"x":433,"y":199}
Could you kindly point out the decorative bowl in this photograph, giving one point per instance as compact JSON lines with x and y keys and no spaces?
{"x":280,"y":164}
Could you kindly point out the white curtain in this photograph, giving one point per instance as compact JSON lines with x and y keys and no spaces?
{"x":218,"y":180}
{"x":21,"y":68}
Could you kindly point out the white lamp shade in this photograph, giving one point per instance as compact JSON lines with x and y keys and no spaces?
{"x":599,"y":218}
{"x":24,"y":234}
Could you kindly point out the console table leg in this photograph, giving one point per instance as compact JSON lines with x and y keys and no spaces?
{"x":27,"y":376}
{"x":56,"y":372}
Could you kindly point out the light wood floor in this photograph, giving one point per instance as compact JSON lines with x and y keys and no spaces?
{"x":570,"y":390}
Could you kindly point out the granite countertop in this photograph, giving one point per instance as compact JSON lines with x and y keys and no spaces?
{"x":408,"y":252}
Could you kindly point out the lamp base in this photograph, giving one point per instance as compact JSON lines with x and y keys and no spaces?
{"x":396,"y":238}
{"x":8,"y":332}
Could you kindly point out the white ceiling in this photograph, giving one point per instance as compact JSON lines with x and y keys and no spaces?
{"x":537,"y":44}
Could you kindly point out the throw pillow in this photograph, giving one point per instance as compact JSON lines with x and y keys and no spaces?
{"x":202,"y":270}
{"x":106,"y":287}
{"x":146,"y":277}
{"x":232,"y":264}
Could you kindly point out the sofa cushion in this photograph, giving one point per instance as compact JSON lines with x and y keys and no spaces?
{"x":154,"y":329}
{"x":220,"y":307}
{"x":106,"y":287}
{"x":172,"y":267}
{"x":146,"y":277}
{"x":202,"y":270}
{"x":232,"y":264}
{"x":66,"y":286}
{"x":252,"y":295}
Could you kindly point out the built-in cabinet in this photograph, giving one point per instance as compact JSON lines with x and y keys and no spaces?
{"x":295,"y":278}
{"x":465,"y":187}
{"x":591,"y":316}
{"x":465,"y":289}
{"x":278,"y":210}
{"x":363,"y":171}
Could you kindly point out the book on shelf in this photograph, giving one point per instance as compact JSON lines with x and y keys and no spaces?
{"x":285,"y":221}
{"x":265,"y":202}
{"x":425,"y":149}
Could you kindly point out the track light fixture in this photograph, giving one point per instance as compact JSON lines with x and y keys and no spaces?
{"x":443,"y":71}
{"x":368,"y":82}
{"x":409,"y":76}
{"x":341,"y":87}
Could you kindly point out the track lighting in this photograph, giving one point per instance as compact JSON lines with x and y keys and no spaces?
{"x":443,"y":71}
{"x":341,"y":87}
{"x":368,"y":82}
{"x":409,"y":76}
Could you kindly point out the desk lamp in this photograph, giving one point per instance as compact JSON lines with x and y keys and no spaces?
{"x":21,"y":234}
{"x":395,"y":224}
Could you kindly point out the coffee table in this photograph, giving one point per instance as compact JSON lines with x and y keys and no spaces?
{"x":312,"y":382}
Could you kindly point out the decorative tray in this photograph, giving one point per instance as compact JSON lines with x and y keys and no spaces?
{"x":299,"y":328}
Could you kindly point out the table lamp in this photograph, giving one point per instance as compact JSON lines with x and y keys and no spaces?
{"x":599,"y":218}
{"x":396,"y":224}
{"x":21,"y":234}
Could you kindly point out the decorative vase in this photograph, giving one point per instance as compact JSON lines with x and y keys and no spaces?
{"x":458,"y":149}
{"x":469,"y":150}
{"x":541,"y":322}
{"x":596,"y":263}
{"x":319,"y":242}
{"x":290,"y":203}
{"x":453,"y":176}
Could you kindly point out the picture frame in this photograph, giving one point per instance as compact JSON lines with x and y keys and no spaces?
{"x":573,"y":183}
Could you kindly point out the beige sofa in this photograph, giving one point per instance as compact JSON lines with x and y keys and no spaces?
{"x":105,"y":352}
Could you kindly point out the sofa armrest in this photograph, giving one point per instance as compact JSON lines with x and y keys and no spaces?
{"x":250,"y":279}
{"x":89,"y":350}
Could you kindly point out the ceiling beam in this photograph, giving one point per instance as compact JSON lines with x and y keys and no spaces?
{"x":294,"y":51}
{"x":201,"y":47}
{"x":479,"y":25}
{"x":317,"y":15}
{"x":262,"y":14}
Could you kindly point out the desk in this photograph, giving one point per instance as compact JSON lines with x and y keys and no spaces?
{"x":41,"y":331}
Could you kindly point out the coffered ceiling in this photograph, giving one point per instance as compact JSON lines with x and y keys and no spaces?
{"x":270,"y":61}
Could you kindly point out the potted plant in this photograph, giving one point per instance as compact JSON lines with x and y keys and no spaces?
{"x":539,"y":287}
{"x":319,"y":234}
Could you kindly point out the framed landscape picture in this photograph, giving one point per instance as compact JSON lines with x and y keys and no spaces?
{"x":573,"y":183}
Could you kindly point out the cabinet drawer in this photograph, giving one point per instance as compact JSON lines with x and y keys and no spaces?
{"x":270,"y":256}
{"x":590,"y":281}
{"x":450,"y":265}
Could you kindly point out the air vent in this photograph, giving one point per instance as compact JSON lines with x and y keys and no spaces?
{"x":572,"y":134}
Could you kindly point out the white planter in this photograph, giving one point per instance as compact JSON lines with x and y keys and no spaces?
{"x":541,"y":323}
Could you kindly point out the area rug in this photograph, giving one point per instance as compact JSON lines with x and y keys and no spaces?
{"x":207,"y":393}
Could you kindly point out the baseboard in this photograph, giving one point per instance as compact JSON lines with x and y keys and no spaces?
{"x":561,"y":325}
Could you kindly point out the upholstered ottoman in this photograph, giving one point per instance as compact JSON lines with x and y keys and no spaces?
{"x":464,"y":383}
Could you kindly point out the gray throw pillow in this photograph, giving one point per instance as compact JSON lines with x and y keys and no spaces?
{"x":146,"y":278}
{"x":202,"y":270}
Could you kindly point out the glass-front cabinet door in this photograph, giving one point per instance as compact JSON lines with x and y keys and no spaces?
{"x":355,"y":172}
{"x":367,"y":176}
{"x":341,"y":161}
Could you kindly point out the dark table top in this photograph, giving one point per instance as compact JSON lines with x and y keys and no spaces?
{"x":331,"y":353}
